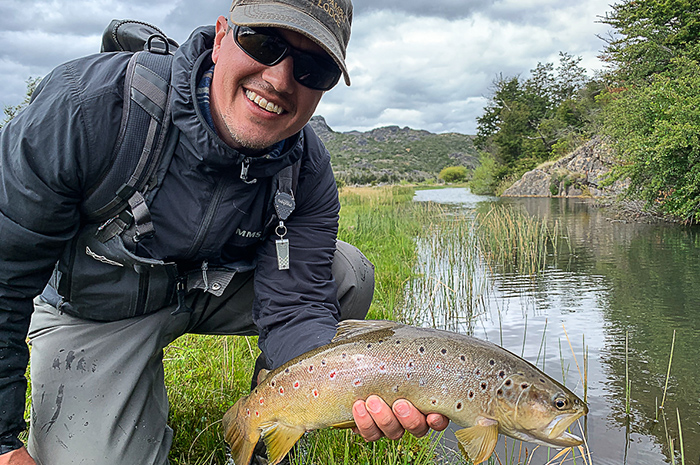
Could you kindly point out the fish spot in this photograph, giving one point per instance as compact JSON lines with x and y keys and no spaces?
{"x":247,"y":412}
{"x":382,"y":368}
{"x":458,"y":405}
{"x":434,"y":401}
{"x":477,"y":372}
{"x":438,"y":366}
{"x":395,"y":388}
{"x":484,"y":385}
{"x":369,"y":346}
{"x":443,"y":351}
{"x":502,"y":374}
{"x":421,"y":349}
{"x":422,"y":382}
{"x":471,"y":395}
{"x":262,"y":401}
{"x":272,"y":383}
{"x":344,"y":355}
{"x":524,"y":385}
{"x":499,"y":392}
{"x":492,"y":362}
{"x":281,"y":390}
{"x":508,"y":382}
{"x":357,"y":382}
{"x":408,"y":375}
{"x":332,"y":374}
{"x":286,"y":371}
{"x":410,"y":364}
{"x":323,"y":362}
{"x":257,"y":413}
{"x":463,"y":358}
{"x":296,"y":384}
{"x":398,"y":341}
{"x":542,"y":381}
{"x":311,"y":368}
{"x":315,"y":393}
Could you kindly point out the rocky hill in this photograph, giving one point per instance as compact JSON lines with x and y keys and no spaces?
{"x":392,"y":154}
{"x":578,"y":174}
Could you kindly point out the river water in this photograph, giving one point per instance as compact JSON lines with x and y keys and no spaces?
{"x":611,"y":281}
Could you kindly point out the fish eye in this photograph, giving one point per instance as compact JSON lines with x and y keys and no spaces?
{"x":561,"y":403}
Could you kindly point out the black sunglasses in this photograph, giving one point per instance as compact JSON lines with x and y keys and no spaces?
{"x":264,"y":46}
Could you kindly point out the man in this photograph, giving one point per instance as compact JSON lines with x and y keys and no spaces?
{"x":243,"y":92}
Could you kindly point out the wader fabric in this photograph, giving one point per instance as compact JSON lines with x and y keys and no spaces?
{"x":98,"y":395}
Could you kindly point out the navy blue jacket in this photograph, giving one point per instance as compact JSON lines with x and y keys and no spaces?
{"x":55,"y":150}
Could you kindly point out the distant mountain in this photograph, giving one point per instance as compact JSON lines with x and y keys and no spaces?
{"x":392,"y":154}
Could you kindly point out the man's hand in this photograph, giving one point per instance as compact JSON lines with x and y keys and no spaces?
{"x":17,"y":457}
{"x":375,"y":419}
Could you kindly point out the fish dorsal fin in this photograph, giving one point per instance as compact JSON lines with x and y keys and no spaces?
{"x":279,"y":439}
{"x":262,"y":375}
{"x":479,"y":441}
{"x":347,"y":329}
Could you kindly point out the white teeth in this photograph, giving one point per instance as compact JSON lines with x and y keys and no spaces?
{"x":263,"y":103}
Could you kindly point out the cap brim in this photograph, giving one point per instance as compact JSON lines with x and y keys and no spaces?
{"x":287,"y":17}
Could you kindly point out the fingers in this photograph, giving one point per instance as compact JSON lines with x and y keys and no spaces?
{"x":375,"y":419}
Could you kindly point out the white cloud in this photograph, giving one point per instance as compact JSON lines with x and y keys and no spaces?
{"x":428,"y":65}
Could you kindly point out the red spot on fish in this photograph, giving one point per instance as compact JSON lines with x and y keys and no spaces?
{"x":262,"y":401}
{"x":311,"y":368}
{"x":315,"y":393}
{"x":281,"y":390}
{"x":438,"y":367}
{"x":382,"y":368}
{"x":247,"y":412}
{"x":296,"y":384}
{"x":332,"y":374}
{"x":257,"y":414}
{"x":357,"y":382}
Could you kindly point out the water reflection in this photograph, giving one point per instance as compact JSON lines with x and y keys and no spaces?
{"x":611,"y":279}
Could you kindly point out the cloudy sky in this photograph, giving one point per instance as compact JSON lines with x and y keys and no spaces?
{"x":426,"y":64}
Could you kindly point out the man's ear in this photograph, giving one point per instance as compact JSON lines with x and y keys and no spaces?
{"x":221,"y":30}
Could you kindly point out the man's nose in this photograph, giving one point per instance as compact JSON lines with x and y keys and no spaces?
{"x":281,"y":75}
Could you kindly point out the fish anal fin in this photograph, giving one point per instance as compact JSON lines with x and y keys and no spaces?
{"x":479,"y":441}
{"x":344,"y":424}
{"x":279,"y":439}
{"x":347,"y":329}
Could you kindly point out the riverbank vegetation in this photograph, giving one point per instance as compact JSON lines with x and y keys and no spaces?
{"x":646,"y":104}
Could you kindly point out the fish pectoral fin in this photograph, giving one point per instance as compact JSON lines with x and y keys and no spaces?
{"x":279,"y":439}
{"x":479,"y":441}
{"x":344,"y":425}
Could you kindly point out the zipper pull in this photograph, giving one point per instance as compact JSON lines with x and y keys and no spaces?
{"x":181,"y":289}
{"x":244,"y":172}
{"x":205,"y":278}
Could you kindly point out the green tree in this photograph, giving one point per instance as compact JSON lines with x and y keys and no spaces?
{"x":655,"y":130}
{"x":648,"y":35}
{"x":10,"y":111}
{"x":453,"y":174}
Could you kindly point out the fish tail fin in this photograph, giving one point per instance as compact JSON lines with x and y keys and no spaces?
{"x":239,"y":433}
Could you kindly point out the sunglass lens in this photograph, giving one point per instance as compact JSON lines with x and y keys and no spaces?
{"x":315,"y":72}
{"x":267,"y":49}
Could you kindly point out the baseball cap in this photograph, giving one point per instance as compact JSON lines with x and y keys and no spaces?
{"x":326,"y":22}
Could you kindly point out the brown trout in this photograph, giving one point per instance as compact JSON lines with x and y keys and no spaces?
{"x":478,"y":385}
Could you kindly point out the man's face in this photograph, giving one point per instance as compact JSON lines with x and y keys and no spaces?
{"x":239,"y":80}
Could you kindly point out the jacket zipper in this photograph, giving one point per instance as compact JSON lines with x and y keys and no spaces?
{"x":208,"y":219}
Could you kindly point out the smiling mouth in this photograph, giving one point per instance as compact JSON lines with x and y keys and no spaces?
{"x":263,"y":103}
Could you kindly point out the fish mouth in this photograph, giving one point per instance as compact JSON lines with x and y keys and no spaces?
{"x":556,"y":433}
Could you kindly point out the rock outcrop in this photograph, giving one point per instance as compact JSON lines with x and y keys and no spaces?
{"x":579,"y":174}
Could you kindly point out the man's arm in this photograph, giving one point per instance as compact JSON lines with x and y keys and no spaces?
{"x":44,"y":166}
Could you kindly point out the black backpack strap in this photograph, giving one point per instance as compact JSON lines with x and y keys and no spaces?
{"x":145,"y":137}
